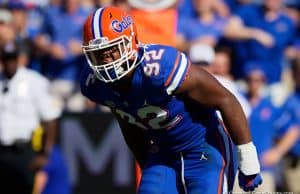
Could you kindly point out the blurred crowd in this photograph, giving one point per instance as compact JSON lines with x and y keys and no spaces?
{"x":251,"y":46}
{"x":254,"y":33}
{"x":48,"y":32}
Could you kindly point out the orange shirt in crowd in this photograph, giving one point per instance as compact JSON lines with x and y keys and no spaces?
{"x":157,"y":27}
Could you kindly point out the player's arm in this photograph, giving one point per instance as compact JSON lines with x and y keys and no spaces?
{"x":203,"y":88}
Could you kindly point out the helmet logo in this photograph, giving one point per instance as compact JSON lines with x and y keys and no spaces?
{"x":120,"y":26}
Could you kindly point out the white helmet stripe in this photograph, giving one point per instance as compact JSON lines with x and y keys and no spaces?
{"x":96,"y":23}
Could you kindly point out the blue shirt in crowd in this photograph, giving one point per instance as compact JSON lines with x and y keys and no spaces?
{"x":58,"y":179}
{"x":296,"y":43}
{"x":186,"y":9}
{"x":281,"y":28}
{"x":63,"y":27}
{"x":290,"y":116}
{"x":261,"y":125}
{"x":193,"y":28}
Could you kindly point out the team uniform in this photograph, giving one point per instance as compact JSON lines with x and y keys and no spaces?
{"x":189,"y":145}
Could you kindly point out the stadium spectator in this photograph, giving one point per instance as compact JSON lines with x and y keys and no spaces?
{"x":218,"y":63}
{"x":53,"y":177}
{"x":55,"y":2}
{"x":156,"y":20}
{"x":290,"y":119}
{"x":30,"y":3}
{"x":124,"y":4}
{"x":25,"y":104}
{"x":88,"y":5}
{"x":261,"y":122}
{"x":222,"y":63}
{"x":10,"y":30}
{"x":292,"y":3}
{"x":221,"y":69}
{"x":7,"y":32}
{"x":103,"y":2}
{"x":294,"y":50}
{"x":207,"y":27}
{"x":20,"y":24}
{"x":234,"y":4}
{"x":267,"y":31}
{"x":60,"y":38}
{"x":186,"y":9}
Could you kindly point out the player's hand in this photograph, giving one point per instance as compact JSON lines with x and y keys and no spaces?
{"x":250,"y":182}
{"x":249,"y":168}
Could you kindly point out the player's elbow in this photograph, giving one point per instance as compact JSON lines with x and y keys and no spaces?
{"x":227,"y":102}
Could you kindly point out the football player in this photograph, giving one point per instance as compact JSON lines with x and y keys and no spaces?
{"x":166,"y":108}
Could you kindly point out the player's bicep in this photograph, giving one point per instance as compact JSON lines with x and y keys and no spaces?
{"x":202,"y":87}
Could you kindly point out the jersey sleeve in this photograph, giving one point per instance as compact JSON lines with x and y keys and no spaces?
{"x":87,"y":79}
{"x":175,"y":65}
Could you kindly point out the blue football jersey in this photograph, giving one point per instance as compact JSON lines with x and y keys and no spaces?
{"x":172,"y":123}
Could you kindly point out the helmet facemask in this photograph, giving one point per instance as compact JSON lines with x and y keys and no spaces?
{"x":100,"y":48}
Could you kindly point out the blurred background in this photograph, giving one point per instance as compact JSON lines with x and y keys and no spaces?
{"x":251,"y":46}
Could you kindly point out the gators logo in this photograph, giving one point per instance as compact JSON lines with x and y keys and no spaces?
{"x":120,"y":26}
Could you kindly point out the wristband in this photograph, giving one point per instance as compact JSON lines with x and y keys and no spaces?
{"x":247,"y":159}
